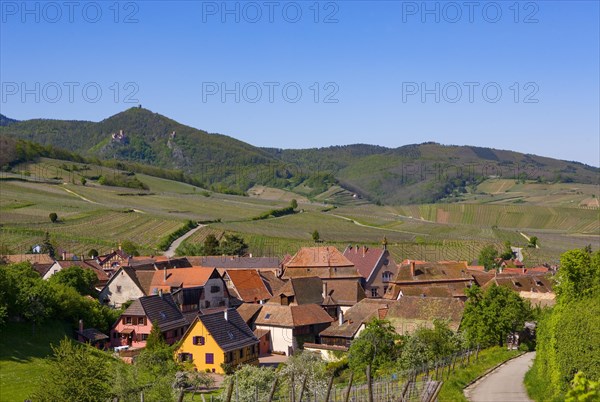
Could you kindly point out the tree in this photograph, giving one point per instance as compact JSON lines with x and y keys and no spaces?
{"x":53,"y":217}
{"x":315,"y":236}
{"x":83,"y":180}
{"x":130,"y":248}
{"x":578,"y":275}
{"x":306,"y":367}
{"x":294,"y":204}
{"x":533,"y":242}
{"x":375,"y":346}
{"x":47,"y":246}
{"x":211,"y":245}
{"x":507,"y":254}
{"x":249,"y":380}
{"x":75,"y":373}
{"x":491,"y":315}
{"x":82,"y":280}
{"x":233,"y":245}
{"x":487,"y":257}
{"x":93,"y":253}
{"x":426,"y":345}
{"x":155,"y":339}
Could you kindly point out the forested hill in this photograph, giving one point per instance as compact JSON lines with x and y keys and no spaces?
{"x":410,"y":174}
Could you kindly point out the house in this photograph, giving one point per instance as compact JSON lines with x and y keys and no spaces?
{"x":325,"y":262}
{"x":92,"y":337}
{"x":535,"y":288}
{"x":291,"y":326}
{"x":41,"y":263}
{"x":439,"y":279}
{"x":333,"y":296}
{"x":218,"y":339}
{"x":375,"y":266}
{"x":126,"y":284}
{"x":245,"y":286}
{"x":272,"y":281}
{"x":134,"y":325}
{"x":406,"y":315}
{"x":213,"y":292}
{"x":113,"y":260}
{"x":88,"y":264}
{"x":223,"y":262}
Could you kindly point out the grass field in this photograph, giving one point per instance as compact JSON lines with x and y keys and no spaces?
{"x":22,"y":354}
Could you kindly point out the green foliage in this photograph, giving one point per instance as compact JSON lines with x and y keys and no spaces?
{"x":83,"y":181}
{"x":507,"y":254}
{"x":376,"y":345}
{"x":294,"y":203}
{"x":491,"y":315}
{"x":487,"y":257}
{"x":75,"y":374}
{"x":211,"y":245}
{"x":82,"y":280}
{"x":567,"y":335}
{"x":249,"y":380}
{"x":304,"y":365}
{"x":166,"y":242}
{"x":47,"y":246}
{"x":155,"y":339}
{"x":122,"y":180}
{"x":130,"y":248}
{"x":533,"y":242}
{"x":274,"y":213}
{"x":232,"y":244}
{"x":583,"y":390}
{"x":316,"y":236}
{"x":93,"y":253}
{"x":53,"y":217}
{"x":427,"y":345}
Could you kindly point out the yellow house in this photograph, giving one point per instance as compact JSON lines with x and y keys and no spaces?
{"x":216,"y":339}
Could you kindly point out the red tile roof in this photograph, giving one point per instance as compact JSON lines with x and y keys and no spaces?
{"x":248,"y":285}
{"x":365,"y":259}
{"x":165,"y":279}
{"x":318,"y":257}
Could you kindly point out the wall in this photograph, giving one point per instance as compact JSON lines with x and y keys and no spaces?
{"x":215,"y":299}
{"x":128,"y":291}
{"x":138,"y":329}
{"x":198,"y":351}
{"x":281,"y":338}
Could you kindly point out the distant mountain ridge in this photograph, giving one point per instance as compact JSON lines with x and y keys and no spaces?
{"x":414,"y":173}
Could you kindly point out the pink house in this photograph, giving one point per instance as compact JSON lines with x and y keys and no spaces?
{"x":134,"y":325}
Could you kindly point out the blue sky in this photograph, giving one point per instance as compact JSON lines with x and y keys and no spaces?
{"x":521,"y":76}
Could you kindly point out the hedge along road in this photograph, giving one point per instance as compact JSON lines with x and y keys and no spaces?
{"x":171,"y":251}
{"x":504,"y":384}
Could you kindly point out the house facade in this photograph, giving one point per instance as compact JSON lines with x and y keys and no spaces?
{"x":135,"y":324}
{"x":126,"y":284}
{"x":376,"y":267}
{"x":217,"y":341}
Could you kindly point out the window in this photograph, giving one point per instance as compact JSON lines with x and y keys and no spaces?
{"x":209,"y":358}
{"x":186,"y":357}
{"x":198,"y":340}
{"x":141,"y":321}
{"x":127,"y":320}
{"x":268,"y":316}
{"x":118,"y":288}
{"x":144,"y":337}
{"x":241,"y":353}
{"x":373,"y":292}
{"x":215,"y":289}
{"x":115,"y":334}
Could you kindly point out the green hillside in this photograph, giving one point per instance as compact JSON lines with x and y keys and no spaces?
{"x":141,"y":141}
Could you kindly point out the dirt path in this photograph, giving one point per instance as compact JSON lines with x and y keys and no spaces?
{"x":171,"y":251}
{"x":80,"y":196}
{"x":504,"y":384}
{"x":378,"y":228}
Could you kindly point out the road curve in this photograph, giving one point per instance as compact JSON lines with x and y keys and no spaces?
{"x":504,"y":384}
{"x":171,"y":251}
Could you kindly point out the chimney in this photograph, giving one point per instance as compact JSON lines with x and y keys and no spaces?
{"x":324,"y":290}
{"x":356,"y":249}
{"x":160,"y":293}
{"x":412,"y":269}
{"x":64,"y":255}
{"x":165,"y":274}
{"x":120,"y":247}
{"x":80,"y":325}
{"x":341,"y":317}
{"x":225,"y":315}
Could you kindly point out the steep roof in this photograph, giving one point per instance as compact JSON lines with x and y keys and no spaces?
{"x":292,"y":316}
{"x":87,"y":264}
{"x":231,"y":333}
{"x":158,"y":262}
{"x":248,"y":311}
{"x":357,"y":315}
{"x":42,"y":269}
{"x":226,"y":261}
{"x":272,"y":282}
{"x":120,"y":254}
{"x":32,"y":258}
{"x":248,"y":285}
{"x":365,"y":259}
{"x":318,"y":257}
{"x":305,"y":291}
{"x":166,"y":279}
{"x":523,"y":283}
{"x":441,"y":271}
{"x":344,"y":292}
{"x":160,"y":309}
{"x":92,"y":334}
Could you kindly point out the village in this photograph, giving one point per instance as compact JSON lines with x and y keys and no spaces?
{"x":227,"y":311}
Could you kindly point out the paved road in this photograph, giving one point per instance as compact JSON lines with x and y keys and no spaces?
{"x":171,"y":251}
{"x":505,"y":384}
